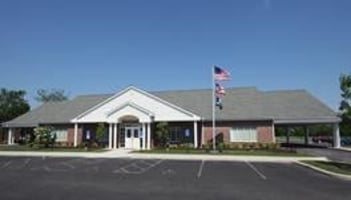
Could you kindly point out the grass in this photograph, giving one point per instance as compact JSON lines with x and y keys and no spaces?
{"x":276,"y":152}
{"x":55,"y":149}
{"x":336,"y":167}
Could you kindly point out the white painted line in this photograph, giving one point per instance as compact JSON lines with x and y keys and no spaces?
{"x":199,"y":173}
{"x":6,"y":164}
{"x":260,"y":174}
{"x":146,"y":163}
{"x":136,"y":166}
{"x":156,"y":163}
{"x":68,"y":165}
{"x":26,"y":162}
{"x":141,"y":170}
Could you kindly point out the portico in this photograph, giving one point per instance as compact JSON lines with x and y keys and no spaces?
{"x":130,"y":116}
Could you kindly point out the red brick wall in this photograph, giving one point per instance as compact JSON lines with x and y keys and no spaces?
{"x":70,"y":136}
{"x":265,"y":134}
{"x":207,"y":134}
{"x":264,"y":131}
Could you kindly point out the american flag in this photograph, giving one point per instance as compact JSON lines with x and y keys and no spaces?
{"x":221,"y":74}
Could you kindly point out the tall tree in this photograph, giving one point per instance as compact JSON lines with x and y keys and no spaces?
{"x":345,"y":105}
{"x":12,"y":104}
{"x":162,"y":134}
{"x":52,"y":95}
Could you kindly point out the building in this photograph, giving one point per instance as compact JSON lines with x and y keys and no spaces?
{"x":249,"y":115}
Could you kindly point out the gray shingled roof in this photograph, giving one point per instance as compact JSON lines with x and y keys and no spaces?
{"x":239,"y":104}
{"x":57,"y":112}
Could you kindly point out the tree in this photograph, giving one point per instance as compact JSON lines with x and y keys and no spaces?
{"x":12,"y":104}
{"x":162,"y":134}
{"x":100,"y":132}
{"x":345,"y":104}
{"x":53,"y":95}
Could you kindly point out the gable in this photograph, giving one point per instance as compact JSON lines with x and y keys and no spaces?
{"x":135,"y":101}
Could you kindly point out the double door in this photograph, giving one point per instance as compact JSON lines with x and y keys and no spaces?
{"x":132,"y":138}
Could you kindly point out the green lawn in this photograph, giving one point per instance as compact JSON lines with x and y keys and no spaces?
{"x":225,"y":152}
{"x":55,"y":149}
{"x":336,"y":167}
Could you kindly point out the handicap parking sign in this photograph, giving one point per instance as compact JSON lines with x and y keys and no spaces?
{"x":187,"y":132}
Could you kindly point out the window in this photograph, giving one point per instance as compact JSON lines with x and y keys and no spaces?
{"x":61,"y":135}
{"x":174,"y":134}
{"x":243,"y":134}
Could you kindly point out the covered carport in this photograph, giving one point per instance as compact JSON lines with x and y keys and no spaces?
{"x":308,"y":140}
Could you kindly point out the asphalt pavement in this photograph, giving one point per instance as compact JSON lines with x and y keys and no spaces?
{"x":127,"y":178}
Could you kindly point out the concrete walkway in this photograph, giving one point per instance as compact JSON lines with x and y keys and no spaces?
{"x":120,"y":153}
{"x":343,"y":155}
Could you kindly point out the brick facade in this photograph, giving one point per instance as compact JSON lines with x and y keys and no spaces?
{"x":264,"y":131}
{"x":70,"y":136}
{"x":221,"y":132}
{"x":264,"y":134}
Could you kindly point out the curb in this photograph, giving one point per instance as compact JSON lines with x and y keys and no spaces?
{"x":186,"y":157}
{"x":342,"y":149}
{"x":329,"y":173}
{"x":64,"y":154}
{"x":243,"y":158}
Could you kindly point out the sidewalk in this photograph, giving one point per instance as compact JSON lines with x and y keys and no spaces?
{"x":120,"y":153}
{"x":344,"y":148}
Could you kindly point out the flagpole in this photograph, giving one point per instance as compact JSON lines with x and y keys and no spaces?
{"x":213,"y":110}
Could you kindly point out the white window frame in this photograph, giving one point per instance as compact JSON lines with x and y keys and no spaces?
{"x":175,"y":131}
{"x":61,"y":135}
{"x":244,"y":134}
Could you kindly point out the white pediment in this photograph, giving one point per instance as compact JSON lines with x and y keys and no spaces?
{"x":135,"y":102}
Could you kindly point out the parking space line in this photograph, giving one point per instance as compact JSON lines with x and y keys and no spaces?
{"x":199,"y":173}
{"x":6,"y":164}
{"x":68,"y":165}
{"x":260,"y":174}
{"x":26,"y":162}
{"x":124,"y":169}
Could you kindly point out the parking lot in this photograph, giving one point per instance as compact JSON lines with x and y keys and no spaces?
{"x":81,"y":178}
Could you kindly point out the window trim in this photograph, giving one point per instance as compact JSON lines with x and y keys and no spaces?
{"x":59,"y":135}
{"x":247,"y":130}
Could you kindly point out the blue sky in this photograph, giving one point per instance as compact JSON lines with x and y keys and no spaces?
{"x":87,"y":47}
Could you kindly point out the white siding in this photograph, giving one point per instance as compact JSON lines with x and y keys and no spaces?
{"x":161,"y":111}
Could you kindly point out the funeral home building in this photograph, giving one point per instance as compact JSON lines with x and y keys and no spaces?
{"x":130,"y":116}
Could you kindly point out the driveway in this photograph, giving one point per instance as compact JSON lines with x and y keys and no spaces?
{"x":82,"y":178}
{"x":332,"y":154}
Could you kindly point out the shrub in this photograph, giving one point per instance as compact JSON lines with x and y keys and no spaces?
{"x":220,"y":146}
{"x":43,"y":137}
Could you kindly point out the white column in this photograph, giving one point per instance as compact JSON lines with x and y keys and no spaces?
{"x":110,"y":136}
{"x":144,"y":136}
{"x":202,"y":133}
{"x":115,"y":136}
{"x":75,"y":144}
{"x":195,"y":134}
{"x":307,"y":133}
{"x":273,"y":133}
{"x":149,"y":136}
{"x":288,"y":135}
{"x":336,"y":135}
{"x":9,"y":136}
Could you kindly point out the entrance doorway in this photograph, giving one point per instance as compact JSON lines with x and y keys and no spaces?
{"x":132,"y":137}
